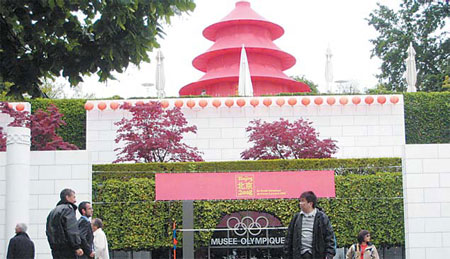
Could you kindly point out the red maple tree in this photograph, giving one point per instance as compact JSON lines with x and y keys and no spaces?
{"x":154,"y":135}
{"x":284,"y":140}
{"x":43,"y":128}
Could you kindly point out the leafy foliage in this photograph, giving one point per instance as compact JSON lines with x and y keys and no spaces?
{"x":43,"y":130}
{"x":423,"y":24}
{"x":124,"y":199}
{"x":43,"y":127}
{"x":313,"y":86}
{"x":72,"y":38}
{"x":284,"y":140}
{"x":154,"y":135}
{"x":427,"y":118}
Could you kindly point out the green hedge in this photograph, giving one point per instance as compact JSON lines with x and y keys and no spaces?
{"x":427,"y":118}
{"x":74,"y":115}
{"x":134,"y":221}
{"x":340,"y":166}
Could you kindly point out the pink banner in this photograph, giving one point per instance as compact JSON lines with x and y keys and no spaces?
{"x":243,"y":185}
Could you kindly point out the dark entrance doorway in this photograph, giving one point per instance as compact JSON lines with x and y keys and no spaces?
{"x":248,"y":235}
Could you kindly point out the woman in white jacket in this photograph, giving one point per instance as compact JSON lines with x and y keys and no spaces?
{"x":100,"y":241}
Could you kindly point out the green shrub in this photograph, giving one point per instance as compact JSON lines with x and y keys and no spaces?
{"x":134,"y":221}
{"x":74,"y":115}
{"x":427,"y":118}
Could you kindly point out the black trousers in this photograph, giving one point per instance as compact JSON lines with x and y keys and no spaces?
{"x":307,"y":255}
{"x":63,"y":254}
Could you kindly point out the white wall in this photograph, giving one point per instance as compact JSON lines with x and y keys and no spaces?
{"x":362,"y":130}
{"x":51,"y":171}
{"x":426,"y":187}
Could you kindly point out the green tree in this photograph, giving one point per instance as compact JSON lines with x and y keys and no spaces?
{"x":43,"y":39}
{"x":423,"y":24}
{"x":313,"y":86}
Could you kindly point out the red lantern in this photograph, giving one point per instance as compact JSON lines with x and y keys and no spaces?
{"x":229,"y":103}
{"x":356,"y":100}
{"x":89,"y":106}
{"x":217,"y":103}
{"x":343,"y":100}
{"x":164,"y":104}
{"x":190,"y":104}
{"x":394,"y":99}
{"x":318,"y":100}
{"x":331,"y":100}
{"x":101,"y":106}
{"x":254,"y":102}
{"x":179,"y":103}
{"x":369,"y":100}
{"x":20,"y":107}
{"x":267,"y":102}
{"x":114,"y":105}
{"x":203,"y":103}
{"x":292,"y":101}
{"x":306,"y":101}
{"x":240,"y":102}
{"x":381,"y":99}
{"x":280,"y":102}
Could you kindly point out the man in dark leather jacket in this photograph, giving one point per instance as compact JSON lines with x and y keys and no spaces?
{"x":313,"y":225}
{"x":86,"y":234}
{"x":62,"y":227}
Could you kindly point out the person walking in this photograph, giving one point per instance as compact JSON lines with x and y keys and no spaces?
{"x":86,"y":234}
{"x":364,"y":249}
{"x":100,"y":241}
{"x":310,"y":234}
{"x":62,"y":229}
{"x":20,"y":246}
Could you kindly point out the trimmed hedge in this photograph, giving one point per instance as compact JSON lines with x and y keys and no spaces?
{"x":74,"y":115}
{"x":134,"y":221}
{"x":340,"y":166}
{"x":427,"y":118}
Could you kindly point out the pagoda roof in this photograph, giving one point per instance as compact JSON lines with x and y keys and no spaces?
{"x":243,"y":14}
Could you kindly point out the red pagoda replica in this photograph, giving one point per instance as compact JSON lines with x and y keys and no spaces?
{"x":243,"y":27}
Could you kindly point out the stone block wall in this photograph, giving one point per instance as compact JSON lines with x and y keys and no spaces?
{"x":426,"y":185}
{"x":362,"y":130}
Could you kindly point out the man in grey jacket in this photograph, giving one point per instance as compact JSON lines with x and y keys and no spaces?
{"x":310,"y":234}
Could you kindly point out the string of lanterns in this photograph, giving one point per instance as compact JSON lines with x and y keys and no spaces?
{"x":241,"y":102}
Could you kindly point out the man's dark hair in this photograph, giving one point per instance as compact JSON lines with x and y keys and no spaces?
{"x":66,"y":192}
{"x":82,"y":206}
{"x":361,"y":235}
{"x":309,"y":196}
{"x":97,"y":222}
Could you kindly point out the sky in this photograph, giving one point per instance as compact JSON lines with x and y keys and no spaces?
{"x":310,"y":27}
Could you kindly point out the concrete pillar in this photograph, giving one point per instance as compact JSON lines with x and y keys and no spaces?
{"x":17,"y":179}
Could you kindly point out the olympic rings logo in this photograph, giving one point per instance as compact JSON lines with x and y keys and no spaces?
{"x":247,"y":224}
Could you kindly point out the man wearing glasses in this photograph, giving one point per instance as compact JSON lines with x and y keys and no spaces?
{"x":310,"y":234}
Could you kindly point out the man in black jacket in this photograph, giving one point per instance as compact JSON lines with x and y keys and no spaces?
{"x":62,"y":228}
{"x":310,"y":234}
{"x":20,"y":246}
{"x":86,"y":234}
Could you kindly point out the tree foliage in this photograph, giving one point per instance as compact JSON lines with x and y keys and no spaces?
{"x":49,"y":38}
{"x":421,"y":23}
{"x":284,"y":140}
{"x":154,"y":135}
{"x":313,"y":86}
{"x":43,"y":128}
